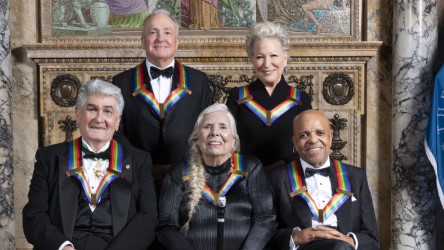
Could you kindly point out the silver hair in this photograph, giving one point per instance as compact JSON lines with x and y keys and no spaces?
{"x":197,"y":172}
{"x":160,"y":11}
{"x":267,"y":30}
{"x":97,"y":86}
{"x":192,"y":141}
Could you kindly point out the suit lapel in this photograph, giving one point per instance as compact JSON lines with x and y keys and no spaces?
{"x":343,"y":213}
{"x":300,"y":209}
{"x":68,"y":196}
{"x":146,"y":78}
{"x":120,"y":192}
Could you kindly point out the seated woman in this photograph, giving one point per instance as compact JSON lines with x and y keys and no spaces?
{"x":217,"y":198}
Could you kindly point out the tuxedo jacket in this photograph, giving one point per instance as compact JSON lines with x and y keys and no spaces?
{"x":50,"y":214}
{"x":356,"y":216}
{"x":166,"y":139}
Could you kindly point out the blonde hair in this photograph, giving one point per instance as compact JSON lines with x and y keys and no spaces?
{"x":197,"y":174}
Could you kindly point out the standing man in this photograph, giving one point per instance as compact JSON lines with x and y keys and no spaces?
{"x":92,"y":193}
{"x":321,"y":203}
{"x":163,"y":97}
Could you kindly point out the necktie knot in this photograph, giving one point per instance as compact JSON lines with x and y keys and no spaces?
{"x":105,"y":155}
{"x":311,"y":171}
{"x":155,"y":72}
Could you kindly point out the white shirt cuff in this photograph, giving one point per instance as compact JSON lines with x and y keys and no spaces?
{"x":293,"y":245}
{"x":65,"y":244}
{"x":354,"y":238}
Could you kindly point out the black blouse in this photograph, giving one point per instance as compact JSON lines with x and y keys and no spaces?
{"x":273,"y":143}
{"x":249,"y":212}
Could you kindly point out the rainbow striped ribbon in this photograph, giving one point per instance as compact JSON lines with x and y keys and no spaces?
{"x":237,"y":171}
{"x":343,"y":192}
{"x":112,"y":172}
{"x":140,"y":90}
{"x":268,"y":116}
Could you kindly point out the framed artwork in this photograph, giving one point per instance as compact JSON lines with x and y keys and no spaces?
{"x":121,"y":20}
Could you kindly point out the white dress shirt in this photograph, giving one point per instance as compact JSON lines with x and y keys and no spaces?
{"x":161,"y":86}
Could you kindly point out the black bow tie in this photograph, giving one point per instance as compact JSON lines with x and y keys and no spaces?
{"x":311,"y":171}
{"x":155,"y":72}
{"x":105,"y":155}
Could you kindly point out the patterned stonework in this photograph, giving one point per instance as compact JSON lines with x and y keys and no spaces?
{"x":7,"y":227}
{"x":413,"y":181}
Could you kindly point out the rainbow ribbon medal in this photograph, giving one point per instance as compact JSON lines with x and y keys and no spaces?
{"x":140,"y":90}
{"x":75,"y":168}
{"x":343,"y":192}
{"x":237,"y":172}
{"x":268,"y":116}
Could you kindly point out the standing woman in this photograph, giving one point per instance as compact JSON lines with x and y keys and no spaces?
{"x":217,"y":199}
{"x":264,"y":109}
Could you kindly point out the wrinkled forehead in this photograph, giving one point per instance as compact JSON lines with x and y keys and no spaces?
{"x":312,"y":121}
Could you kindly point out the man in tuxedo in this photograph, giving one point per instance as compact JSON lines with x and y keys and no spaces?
{"x":92,"y":193}
{"x":321,"y":203}
{"x":163,"y":97}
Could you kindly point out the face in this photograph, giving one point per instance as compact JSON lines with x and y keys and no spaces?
{"x":98,"y":120}
{"x":312,"y":137}
{"x":269,"y":61}
{"x":215,"y":137}
{"x":159,"y":40}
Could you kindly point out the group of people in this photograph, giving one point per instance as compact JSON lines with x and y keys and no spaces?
{"x":158,"y":166}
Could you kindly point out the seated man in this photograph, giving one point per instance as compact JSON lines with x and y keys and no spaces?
{"x":321,"y":203}
{"x":92,"y":193}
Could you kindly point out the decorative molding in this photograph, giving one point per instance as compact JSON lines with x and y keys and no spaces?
{"x":64,"y":90}
{"x":338,"y":89}
{"x":68,"y":126}
{"x":338,"y":124}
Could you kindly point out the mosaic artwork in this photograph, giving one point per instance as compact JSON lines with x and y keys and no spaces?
{"x":105,"y":17}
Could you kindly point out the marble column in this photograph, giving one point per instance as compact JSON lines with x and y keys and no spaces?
{"x":414,"y":195}
{"x":7,"y":227}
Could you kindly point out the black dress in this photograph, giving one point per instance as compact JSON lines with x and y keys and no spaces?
{"x":249,"y":213}
{"x":269,"y":143}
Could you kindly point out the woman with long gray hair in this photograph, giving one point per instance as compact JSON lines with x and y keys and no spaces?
{"x":217,"y":198}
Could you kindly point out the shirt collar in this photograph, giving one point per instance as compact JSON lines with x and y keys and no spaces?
{"x":105,"y":147}
{"x":305,"y":165}
{"x":149,"y":64}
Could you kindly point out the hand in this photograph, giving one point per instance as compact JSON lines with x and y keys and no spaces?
{"x":319,"y":233}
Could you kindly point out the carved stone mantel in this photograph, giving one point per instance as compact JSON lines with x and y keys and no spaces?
{"x":223,"y":59}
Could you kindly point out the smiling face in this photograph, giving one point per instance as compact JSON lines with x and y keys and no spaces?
{"x":98,"y":119}
{"x":215,"y":139}
{"x":159,"y":39}
{"x":269,"y":61}
{"x":312,"y":137}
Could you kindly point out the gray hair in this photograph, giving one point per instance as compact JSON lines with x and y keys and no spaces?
{"x":267,"y":30}
{"x":192,"y":141}
{"x":97,"y":86}
{"x":197,"y":173}
{"x":160,"y":11}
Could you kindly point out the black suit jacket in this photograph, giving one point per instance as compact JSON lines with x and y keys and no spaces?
{"x":167,"y":139}
{"x":49,"y":216}
{"x":357,"y":217}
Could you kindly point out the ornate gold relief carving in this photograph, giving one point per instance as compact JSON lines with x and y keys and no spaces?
{"x":338,"y":89}
{"x":220,"y":84}
{"x":338,"y":124}
{"x":64,"y":89}
{"x":302,"y":83}
{"x":68,"y":126}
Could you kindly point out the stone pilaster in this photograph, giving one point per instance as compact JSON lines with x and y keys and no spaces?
{"x":7,"y":227}
{"x":413,"y":181}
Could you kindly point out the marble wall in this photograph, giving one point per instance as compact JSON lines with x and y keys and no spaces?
{"x":7,"y":223}
{"x":397,"y":82}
